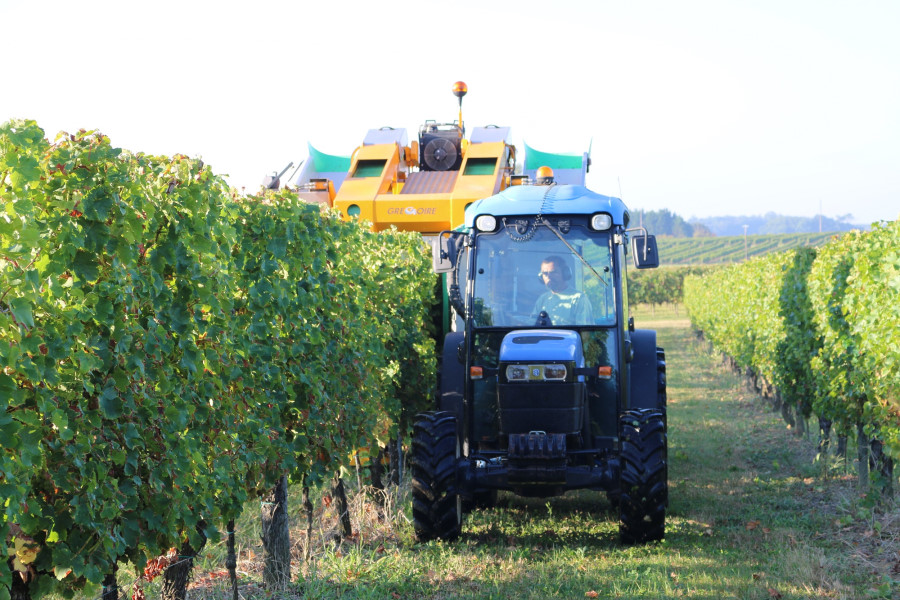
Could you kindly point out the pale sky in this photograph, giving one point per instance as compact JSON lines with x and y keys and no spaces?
{"x":705,"y":108}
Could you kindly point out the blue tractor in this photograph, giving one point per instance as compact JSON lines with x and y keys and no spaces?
{"x":545,"y":384}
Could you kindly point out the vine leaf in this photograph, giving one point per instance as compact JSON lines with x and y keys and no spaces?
{"x":21,"y":309}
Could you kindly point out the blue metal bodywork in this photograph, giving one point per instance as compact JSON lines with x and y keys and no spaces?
{"x":550,"y":346}
{"x":547,"y":200}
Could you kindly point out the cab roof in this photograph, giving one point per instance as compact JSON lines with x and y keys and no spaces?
{"x":547,"y":200}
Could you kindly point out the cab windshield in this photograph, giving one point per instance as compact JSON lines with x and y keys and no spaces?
{"x":538,"y":280}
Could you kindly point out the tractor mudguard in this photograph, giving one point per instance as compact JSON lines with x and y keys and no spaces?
{"x":643,"y":370}
{"x":453,"y":376}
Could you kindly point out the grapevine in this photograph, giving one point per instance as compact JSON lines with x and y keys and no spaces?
{"x":168,"y":349}
{"x":822,"y":326}
{"x":155,"y":567}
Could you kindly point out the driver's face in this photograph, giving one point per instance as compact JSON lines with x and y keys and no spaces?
{"x":552,"y":276}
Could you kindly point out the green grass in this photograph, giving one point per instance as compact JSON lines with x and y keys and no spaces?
{"x":732,"y":249}
{"x":659,"y":316}
{"x":750,"y":517}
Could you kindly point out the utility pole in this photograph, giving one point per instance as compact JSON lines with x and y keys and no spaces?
{"x":745,"y":242}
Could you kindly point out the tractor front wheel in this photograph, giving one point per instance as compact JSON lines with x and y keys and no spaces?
{"x":643,"y":480}
{"x":436,"y":511}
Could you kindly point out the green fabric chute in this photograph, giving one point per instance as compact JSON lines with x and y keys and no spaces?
{"x":328,"y":163}
{"x":535,"y":159}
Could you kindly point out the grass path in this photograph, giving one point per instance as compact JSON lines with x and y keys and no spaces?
{"x":751,"y":517}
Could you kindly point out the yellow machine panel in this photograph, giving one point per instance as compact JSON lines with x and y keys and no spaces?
{"x":485,"y":171}
{"x":382,"y":189}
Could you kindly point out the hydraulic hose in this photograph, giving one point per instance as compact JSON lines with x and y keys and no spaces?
{"x":453,"y":293}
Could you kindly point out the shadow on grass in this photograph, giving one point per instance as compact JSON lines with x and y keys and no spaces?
{"x":745,"y":520}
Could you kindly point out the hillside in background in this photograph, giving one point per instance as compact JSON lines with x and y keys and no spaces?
{"x":772,"y":223}
{"x":732,"y":249}
{"x":722,"y":240}
{"x":666,"y":223}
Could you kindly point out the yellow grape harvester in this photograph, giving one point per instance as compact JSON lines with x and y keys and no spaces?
{"x":426,"y":185}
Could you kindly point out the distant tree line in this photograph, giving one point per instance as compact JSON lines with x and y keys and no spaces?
{"x":772,"y":223}
{"x":666,"y":223}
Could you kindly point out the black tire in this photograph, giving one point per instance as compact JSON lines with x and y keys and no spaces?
{"x":661,"y":377}
{"x":452,"y":378}
{"x":436,"y":513}
{"x":662,"y":387}
{"x":643,"y":478}
{"x":614,"y":497}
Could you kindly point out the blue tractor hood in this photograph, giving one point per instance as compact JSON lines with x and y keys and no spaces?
{"x":547,"y":200}
{"x":545,"y":345}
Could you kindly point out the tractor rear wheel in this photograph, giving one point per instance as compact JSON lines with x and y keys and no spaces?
{"x":661,"y":378}
{"x":643,"y":479}
{"x":436,"y":510}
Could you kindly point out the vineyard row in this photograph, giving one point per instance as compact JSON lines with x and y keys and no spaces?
{"x":820,"y":328}
{"x":733,"y":249}
{"x":169,"y":350}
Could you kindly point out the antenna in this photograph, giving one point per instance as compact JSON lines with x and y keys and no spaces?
{"x":590,"y":146}
{"x":619,"y":181}
{"x":295,"y":170}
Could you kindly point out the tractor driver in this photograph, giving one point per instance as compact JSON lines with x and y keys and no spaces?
{"x":563,"y":304}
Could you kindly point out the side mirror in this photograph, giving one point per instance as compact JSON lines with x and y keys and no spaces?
{"x":643,"y":252}
{"x":443,"y":252}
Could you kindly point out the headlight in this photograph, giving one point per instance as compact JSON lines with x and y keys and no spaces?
{"x":519,"y":373}
{"x":555,"y":372}
{"x":601,"y":222}
{"x":486,"y":223}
